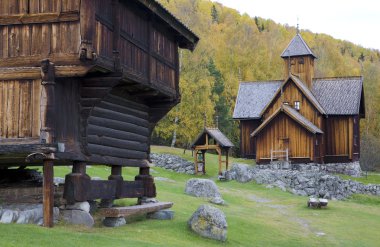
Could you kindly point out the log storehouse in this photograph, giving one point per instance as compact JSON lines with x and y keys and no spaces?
{"x":86,"y":81}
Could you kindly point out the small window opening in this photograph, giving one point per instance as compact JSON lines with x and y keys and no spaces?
{"x":301,"y":61}
{"x":297,"y":105}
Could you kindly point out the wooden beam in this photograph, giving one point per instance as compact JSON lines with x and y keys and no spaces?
{"x":48,"y":193}
{"x":40,"y":18}
{"x":35,"y":61}
{"x":30,"y":73}
{"x":134,"y":210}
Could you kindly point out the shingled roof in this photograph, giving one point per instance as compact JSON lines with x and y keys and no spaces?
{"x":293,"y":114}
{"x":253,"y":97}
{"x":339,"y":96}
{"x":216,"y":134}
{"x":297,"y":47}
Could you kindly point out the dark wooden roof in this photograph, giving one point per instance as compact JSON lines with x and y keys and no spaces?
{"x":216,"y":134}
{"x":339,"y":96}
{"x":297,"y":47}
{"x":295,"y":115}
{"x":187,"y":39}
{"x":253,"y":97}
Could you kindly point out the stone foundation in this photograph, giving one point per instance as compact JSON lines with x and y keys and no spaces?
{"x":310,"y":182}
{"x":352,"y":169}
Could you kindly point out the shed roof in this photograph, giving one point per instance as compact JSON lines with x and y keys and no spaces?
{"x":297,"y":47}
{"x":187,"y":39}
{"x":339,"y":96}
{"x":216,"y":134}
{"x":253,"y":97}
{"x":295,"y":115}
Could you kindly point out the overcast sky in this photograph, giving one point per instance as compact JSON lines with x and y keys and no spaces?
{"x":357,"y":21}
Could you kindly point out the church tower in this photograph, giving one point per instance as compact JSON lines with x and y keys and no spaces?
{"x":299,"y":59}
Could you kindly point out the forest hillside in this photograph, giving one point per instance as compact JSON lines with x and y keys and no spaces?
{"x":234,"y":48}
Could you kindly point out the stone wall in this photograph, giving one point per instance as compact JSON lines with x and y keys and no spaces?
{"x":312,"y":182}
{"x":172,"y":163}
{"x":352,"y":169}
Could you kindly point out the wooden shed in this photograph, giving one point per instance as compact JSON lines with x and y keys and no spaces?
{"x":86,"y":81}
{"x":302,"y":118}
{"x":210,"y":139}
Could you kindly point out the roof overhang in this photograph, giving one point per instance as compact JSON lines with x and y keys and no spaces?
{"x":186,"y":38}
{"x":293,"y":114}
{"x":308,"y":94}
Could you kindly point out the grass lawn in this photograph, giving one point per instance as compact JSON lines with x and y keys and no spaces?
{"x":256,"y":216}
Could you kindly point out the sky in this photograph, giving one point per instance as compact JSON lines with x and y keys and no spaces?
{"x":357,"y":21}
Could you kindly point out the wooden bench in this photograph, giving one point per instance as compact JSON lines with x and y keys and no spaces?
{"x":116,"y":212}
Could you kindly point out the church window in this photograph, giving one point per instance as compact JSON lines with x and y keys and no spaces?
{"x":297,"y":105}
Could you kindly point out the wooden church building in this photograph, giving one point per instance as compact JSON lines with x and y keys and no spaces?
{"x":302,"y":119}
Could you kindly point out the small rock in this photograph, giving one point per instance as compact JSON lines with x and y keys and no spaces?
{"x":77,"y":217}
{"x":114,"y":221}
{"x":217,"y":201}
{"x":209,"y":222}
{"x":202,"y":188}
{"x":147,"y":200}
{"x":57,"y":181}
{"x":165,"y":214}
{"x":84,"y":206}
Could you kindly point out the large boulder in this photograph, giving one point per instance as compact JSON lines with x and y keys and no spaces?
{"x":240,"y":172}
{"x":209,"y":222}
{"x":202,"y":188}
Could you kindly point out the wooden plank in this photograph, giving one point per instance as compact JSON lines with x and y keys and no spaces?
{"x":36,"y":101}
{"x":39,"y":18}
{"x":35,"y":61}
{"x":134,"y":210}
{"x":25,"y":123}
{"x":48,"y":193}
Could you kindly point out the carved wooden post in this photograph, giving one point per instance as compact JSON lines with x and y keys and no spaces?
{"x":77,"y":183}
{"x":47,"y":134}
{"x":148,"y":181}
{"x":48,"y":192}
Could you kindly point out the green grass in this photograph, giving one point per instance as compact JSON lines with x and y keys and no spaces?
{"x":372,"y":178}
{"x":283,"y":220}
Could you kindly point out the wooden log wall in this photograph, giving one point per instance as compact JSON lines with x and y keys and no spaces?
{"x":31,"y":30}
{"x":283,"y":129}
{"x":118,"y":127}
{"x":291,"y":93}
{"x":20,"y":108}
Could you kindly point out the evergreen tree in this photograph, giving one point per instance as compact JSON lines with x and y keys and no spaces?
{"x":214,"y":14}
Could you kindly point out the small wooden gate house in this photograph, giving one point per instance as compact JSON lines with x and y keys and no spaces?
{"x":86,"y":81}
{"x":301,"y":118}
{"x":210,"y":139}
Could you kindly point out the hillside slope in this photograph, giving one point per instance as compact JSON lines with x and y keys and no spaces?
{"x":235,"y":47}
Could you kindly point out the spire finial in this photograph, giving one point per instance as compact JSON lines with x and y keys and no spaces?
{"x":298,"y":26}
